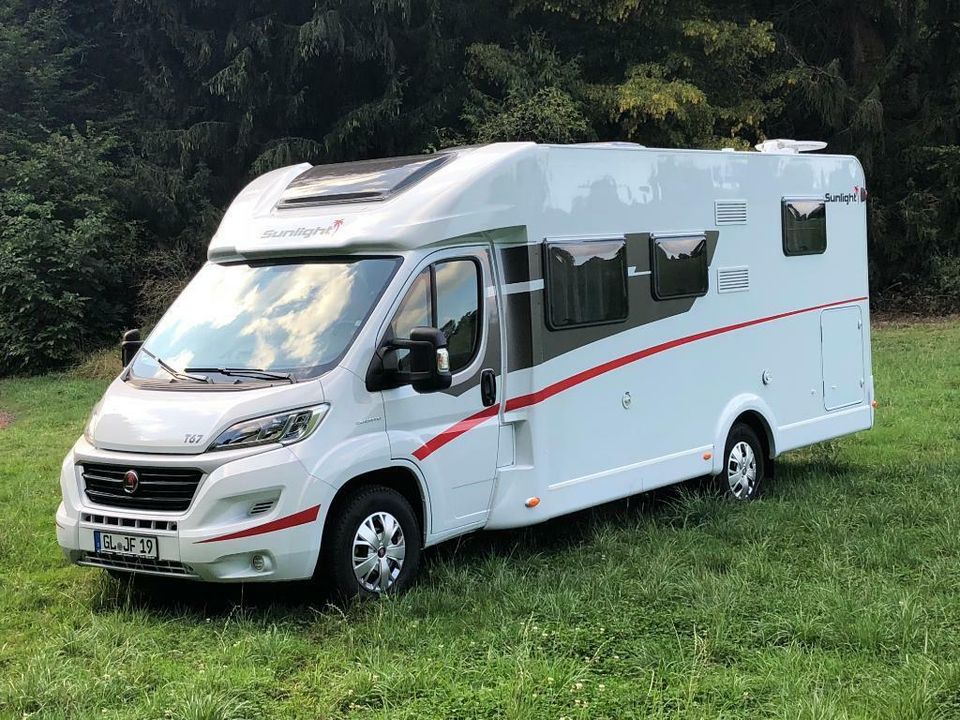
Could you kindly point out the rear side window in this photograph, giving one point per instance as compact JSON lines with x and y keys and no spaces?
{"x":585,"y":283}
{"x":445,"y":296}
{"x":804,"y":227}
{"x":679,"y":266}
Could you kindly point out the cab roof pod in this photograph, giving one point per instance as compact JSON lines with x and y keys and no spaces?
{"x":378,"y":205}
{"x":362,"y":181}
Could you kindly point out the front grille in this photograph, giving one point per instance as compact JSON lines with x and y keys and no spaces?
{"x":169,"y":489}
{"x":138,"y":523}
{"x":112,"y":561}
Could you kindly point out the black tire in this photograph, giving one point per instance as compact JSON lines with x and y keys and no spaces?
{"x":336,"y":567}
{"x":743,"y":459}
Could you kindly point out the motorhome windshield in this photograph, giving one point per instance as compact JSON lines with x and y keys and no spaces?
{"x":293,"y":319}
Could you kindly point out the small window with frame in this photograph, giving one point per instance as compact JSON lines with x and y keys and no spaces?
{"x":804,"y":226}
{"x":679,"y":265}
{"x":585,"y":283}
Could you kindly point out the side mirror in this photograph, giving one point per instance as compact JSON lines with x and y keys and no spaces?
{"x":129,"y":346}
{"x":429,"y":366}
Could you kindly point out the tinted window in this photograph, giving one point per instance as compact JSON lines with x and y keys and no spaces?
{"x":679,"y":266}
{"x":455,"y":313}
{"x":458,"y":297}
{"x":804,"y":227}
{"x":586,"y":283}
{"x":416,"y":310}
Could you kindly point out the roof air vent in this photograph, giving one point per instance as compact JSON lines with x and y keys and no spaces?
{"x":363,"y":181}
{"x":790,"y":147}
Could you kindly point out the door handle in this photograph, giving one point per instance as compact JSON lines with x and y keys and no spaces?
{"x":488,"y":387}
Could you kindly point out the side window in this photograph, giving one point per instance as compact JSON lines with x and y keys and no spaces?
{"x":415,"y":309}
{"x":804,"y":227}
{"x":458,"y":305}
{"x":585,"y":283}
{"x":679,"y":266}
{"x":445,"y":296}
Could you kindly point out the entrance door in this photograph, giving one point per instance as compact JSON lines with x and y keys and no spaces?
{"x":453,"y":434}
{"x":841,"y":338}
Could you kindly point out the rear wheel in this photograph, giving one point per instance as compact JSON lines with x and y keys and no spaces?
{"x":744,"y":464}
{"x":373,"y":544}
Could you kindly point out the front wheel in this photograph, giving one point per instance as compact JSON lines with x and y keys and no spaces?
{"x":744,"y":464}
{"x":373,"y":544}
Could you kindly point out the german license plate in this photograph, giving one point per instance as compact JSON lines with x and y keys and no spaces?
{"x":135,"y":545}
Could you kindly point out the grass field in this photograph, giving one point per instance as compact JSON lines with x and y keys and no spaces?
{"x":835,"y":596}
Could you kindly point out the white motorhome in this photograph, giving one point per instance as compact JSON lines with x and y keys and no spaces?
{"x":382,"y":355}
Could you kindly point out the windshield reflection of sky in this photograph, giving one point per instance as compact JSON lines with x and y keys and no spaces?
{"x":280,"y":317}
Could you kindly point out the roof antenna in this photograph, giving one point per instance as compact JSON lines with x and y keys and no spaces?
{"x":790,"y":147}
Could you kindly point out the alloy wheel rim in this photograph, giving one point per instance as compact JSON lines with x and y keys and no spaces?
{"x":379,"y":550}
{"x":742,"y":470}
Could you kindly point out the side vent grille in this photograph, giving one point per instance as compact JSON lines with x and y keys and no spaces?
{"x":733,"y":279}
{"x":730,"y":212}
{"x":261,"y":507}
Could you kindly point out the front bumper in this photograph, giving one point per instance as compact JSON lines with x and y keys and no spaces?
{"x":223,"y":530}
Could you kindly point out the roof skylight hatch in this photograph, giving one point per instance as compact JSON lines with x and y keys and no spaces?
{"x":361,"y":181}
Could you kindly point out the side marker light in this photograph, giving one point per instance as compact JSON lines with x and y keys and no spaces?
{"x":532,"y":502}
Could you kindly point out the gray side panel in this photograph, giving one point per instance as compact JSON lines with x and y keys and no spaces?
{"x":531,"y":342}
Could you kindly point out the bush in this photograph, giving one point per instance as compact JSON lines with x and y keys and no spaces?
{"x":65,"y":251}
{"x":101,"y":364}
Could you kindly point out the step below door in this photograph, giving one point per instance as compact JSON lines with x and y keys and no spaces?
{"x":841,"y":345}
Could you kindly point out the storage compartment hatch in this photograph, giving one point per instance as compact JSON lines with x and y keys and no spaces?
{"x":841,"y":344}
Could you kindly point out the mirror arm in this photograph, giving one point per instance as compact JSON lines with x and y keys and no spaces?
{"x":402,"y":344}
{"x":376,"y":377}
{"x":380,"y":377}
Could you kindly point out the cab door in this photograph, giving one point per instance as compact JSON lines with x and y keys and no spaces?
{"x":452,"y":434}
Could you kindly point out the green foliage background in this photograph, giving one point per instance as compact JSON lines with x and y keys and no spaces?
{"x":127,"y":125}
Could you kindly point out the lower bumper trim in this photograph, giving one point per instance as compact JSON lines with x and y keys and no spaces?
{"x":145,"y":566}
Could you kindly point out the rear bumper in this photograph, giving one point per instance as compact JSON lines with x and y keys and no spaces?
{"x":217,"y":538}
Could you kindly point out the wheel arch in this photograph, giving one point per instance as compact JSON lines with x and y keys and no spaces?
{"x":753,"y":411}
{"x":402,"y":478}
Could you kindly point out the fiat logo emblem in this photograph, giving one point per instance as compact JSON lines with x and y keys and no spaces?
{"x":131,"y":481}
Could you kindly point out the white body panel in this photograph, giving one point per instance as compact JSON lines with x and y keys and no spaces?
{"x":640,"y":406}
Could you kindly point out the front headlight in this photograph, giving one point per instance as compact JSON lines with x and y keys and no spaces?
{"x":284,"y":428}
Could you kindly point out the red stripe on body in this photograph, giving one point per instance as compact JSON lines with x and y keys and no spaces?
{"x":455,"y":431}
{"x":300,"y":518}
{"x":517,"y":403}
{"x":550,"y":390}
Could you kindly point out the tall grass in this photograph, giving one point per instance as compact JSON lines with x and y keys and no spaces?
{"x":834,"y":596}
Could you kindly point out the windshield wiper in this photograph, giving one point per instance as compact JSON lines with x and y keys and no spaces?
{"x":245,"y":372}
{"x":174,"y":372}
